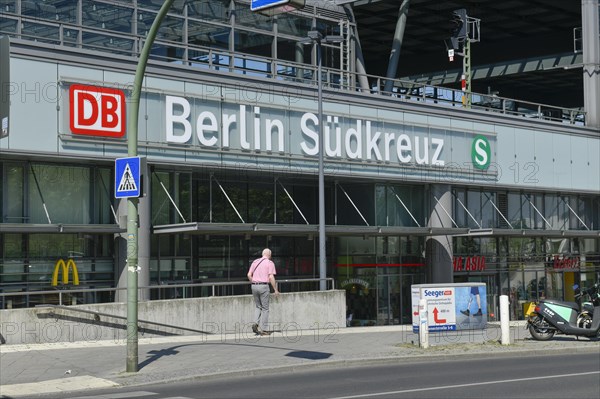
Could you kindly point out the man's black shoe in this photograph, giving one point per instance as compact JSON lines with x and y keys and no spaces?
{"x":465,"y":312}
{"x":478,"y":313}
{"x":255,"y":328}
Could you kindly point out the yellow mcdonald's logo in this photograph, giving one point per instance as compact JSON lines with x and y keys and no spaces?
{"x":66,"y":267}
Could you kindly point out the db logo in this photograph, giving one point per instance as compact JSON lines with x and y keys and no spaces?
{"x":97,"y":111}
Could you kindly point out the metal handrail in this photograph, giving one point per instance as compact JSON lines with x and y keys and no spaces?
{"x":97,"y":316}
{"x":332,"y":78}
{"x":213,"y":286}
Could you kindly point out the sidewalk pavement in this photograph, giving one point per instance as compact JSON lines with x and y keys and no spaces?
{"x":27,"y":370}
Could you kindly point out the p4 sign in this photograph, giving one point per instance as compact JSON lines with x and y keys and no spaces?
{"x":96,"y":111}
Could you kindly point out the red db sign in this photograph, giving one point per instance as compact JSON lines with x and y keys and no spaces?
{"x":97,"y":111}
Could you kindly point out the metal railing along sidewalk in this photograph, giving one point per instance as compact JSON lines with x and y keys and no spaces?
{"x":78,"y":296}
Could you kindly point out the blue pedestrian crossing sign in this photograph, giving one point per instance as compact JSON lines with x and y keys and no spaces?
{"x":128,"y":177}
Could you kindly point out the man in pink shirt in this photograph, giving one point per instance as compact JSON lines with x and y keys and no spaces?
{"x":261,"y":273}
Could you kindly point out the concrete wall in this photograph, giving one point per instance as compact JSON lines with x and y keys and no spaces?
{"x":289,"y":313}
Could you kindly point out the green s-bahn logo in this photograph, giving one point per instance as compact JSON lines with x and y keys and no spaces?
{"x":481,"y":153}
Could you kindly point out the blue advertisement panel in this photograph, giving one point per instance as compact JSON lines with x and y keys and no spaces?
{"x":471,"y":307}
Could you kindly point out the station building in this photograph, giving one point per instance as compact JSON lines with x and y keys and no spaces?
{"x":424,"y":182}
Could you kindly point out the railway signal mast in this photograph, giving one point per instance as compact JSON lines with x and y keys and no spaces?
{"x":465,"y":31}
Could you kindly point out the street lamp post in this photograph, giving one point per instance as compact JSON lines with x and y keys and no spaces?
{"x":132,"y":203}
{"x":317,"y":38}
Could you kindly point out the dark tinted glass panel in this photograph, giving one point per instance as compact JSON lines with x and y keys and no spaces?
{"x":107,"y":16}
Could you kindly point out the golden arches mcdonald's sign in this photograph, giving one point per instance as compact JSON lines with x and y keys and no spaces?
{"x":65,"y":267}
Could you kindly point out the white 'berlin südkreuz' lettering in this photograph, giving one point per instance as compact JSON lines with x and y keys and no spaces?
{"x":373,"y":143}
{"x":210,"y":130}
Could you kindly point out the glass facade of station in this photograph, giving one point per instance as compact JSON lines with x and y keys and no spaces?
{"x":540,"y":247}
{"x":375,"y":271}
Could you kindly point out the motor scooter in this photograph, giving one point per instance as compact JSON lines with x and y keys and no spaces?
{"x":552,"y":316}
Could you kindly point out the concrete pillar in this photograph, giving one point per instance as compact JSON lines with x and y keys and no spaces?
{"x":504,"y":320}
{"x":299,"y":59}
{"x":274,"y":53}
{"x":361,"y":71}
{"x":591,"y":61}
{"x":438,"y":249}
{"x":231,"y":34}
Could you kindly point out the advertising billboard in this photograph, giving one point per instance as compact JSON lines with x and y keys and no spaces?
{"x":451,"y":307}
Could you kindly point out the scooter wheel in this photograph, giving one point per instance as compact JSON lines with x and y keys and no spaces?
{"x":584,"y":321}
{"x":539,"y":328}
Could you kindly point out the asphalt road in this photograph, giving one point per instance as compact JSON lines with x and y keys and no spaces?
{"x":549,"y":376}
